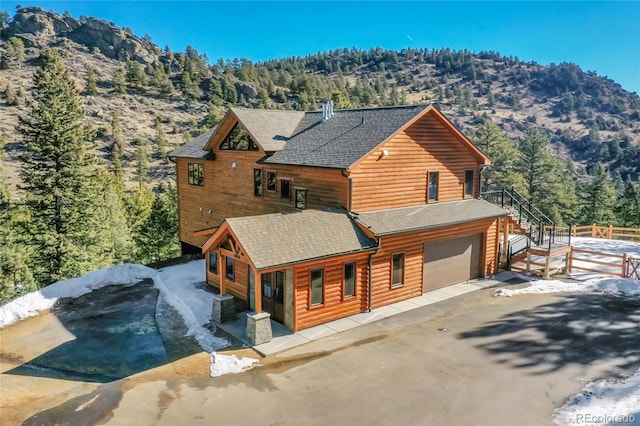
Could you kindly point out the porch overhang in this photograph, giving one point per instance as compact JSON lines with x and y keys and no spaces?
{"x":428,"y":216}
{"x":280,"y":240}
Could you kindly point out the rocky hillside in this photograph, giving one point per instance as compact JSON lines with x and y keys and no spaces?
{"x":163,"y":95}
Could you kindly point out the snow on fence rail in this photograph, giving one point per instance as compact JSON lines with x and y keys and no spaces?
{"x":606,"y":232}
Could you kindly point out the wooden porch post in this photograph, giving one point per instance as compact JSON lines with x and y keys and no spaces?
{"x":258,"y":292}
{"x":221,"y":273}
{"x":505,"y":240}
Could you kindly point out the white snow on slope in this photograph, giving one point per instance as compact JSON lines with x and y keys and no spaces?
{"x":181,"y":286}
{"x":44,"y":299}
{"x":178,"y":286}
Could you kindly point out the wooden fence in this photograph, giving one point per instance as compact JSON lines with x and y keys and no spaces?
{"x":607,"y":232}
{"x":598,"y":262}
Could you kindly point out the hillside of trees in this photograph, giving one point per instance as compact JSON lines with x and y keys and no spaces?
{"x":566,"y":138}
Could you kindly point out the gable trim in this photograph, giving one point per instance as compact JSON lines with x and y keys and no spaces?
{"x":229,"y":121}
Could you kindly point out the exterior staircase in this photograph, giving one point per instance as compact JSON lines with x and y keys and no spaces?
{"x":531,"y":242}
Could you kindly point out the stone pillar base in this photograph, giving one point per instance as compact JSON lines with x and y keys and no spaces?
{"x":224,"y":308}
{"x":259,"y":328}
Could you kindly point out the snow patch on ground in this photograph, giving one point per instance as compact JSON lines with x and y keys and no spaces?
{"x":30,"y":304}
{"x":615,"y":247}
{"x":178,"y":286}
{"x":181,"y":286}
{"x":226,"y":364}
{"x":623,"y":286}
{"x":604,"y":401}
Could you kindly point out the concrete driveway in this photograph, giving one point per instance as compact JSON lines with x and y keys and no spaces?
{"x":474,"y":359}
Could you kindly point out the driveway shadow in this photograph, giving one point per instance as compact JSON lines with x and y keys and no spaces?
{"x":118,"y":331}
{"x":577,"y":329}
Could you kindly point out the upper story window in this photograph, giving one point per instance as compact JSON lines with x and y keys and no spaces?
{"x":433,"y":186}
{"x":238,"y":140}
{"x":301,"y":198}
{"x":257,"y":182}
{"x":285,"y":189}
{"x":468,"y":183}
{"x":196,"y":174}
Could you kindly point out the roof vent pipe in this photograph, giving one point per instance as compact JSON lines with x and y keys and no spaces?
{"x":324,"y":112}
{"x":330,"y":107}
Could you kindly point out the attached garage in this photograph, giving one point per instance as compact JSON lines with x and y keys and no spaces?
{"x":451,"y":261}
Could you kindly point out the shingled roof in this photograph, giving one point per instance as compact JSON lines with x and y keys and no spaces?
{"x":195,"y":148}
{"x":428,"y":216}
{"x":344,"y":138}
{"x":279,"y":239}
{"x":269,"y":128}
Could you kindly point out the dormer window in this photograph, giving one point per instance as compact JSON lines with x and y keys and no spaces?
{"x":238,"y":140}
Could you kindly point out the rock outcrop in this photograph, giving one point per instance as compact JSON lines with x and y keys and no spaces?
{"x":38,"y":27}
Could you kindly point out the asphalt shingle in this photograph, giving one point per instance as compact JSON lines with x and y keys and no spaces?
{"x":344,"y":138}
{"x":270,"y":128}
{"x":194,"y":149}
{"x":406,"y":219}
{"x":280,"y":239}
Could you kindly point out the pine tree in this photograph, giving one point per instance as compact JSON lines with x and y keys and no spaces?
{"x":161,"y":80}
{"x":157,"y":237}
{"x":142,"y":163}
{"x":117,"y":144}
{"x":503,"y":154}
{"x":108,"y":213}
{"x":119,"y":82}
{"x":58,"y":173}
{"x":116,"y":131}
{"x":90,"y":87}
{"x":546,"y":182}
{"x":15,"y":50}
{"x":138,"y":207}
{"x":15,"y":275}
{"x":161,"y":140}
{"x":10,"y":95}
{"x":598,"y":199}
{"x":212,"y":118}
{"x":628,"y":206}
{"x":135,"y":75}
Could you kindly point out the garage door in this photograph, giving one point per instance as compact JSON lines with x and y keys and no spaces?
{"x":451,"y":261}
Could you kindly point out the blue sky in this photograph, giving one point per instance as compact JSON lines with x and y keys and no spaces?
{"x":602,"y":36}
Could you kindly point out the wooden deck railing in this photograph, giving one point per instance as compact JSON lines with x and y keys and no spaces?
{"x":607,"y":232}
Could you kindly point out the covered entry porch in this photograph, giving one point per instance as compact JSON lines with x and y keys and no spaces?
{"x":298,"y":268}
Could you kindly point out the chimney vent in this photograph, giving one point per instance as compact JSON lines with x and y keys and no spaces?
{"x":327,"y":111}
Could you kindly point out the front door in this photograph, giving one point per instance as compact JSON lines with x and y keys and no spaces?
{"x":273,"y":294}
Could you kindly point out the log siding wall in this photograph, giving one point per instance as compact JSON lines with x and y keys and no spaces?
{"x":412,"y":245}
{"x":228,"y":192}
{"x":335,"y":306}
{"x":400,"y":178}
{"x":239,"y":286}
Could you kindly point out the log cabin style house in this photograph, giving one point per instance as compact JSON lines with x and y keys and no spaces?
{"x":315,"y":216}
